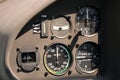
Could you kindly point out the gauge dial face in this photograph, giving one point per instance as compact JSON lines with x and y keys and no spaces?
{"x":87,"y":21}
{"x":57,"y":59}
{"x":88,"y":57}
{"x":60,"y":27}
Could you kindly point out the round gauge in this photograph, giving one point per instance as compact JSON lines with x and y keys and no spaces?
{"x":57,"y":59}
{"x":87,"y":21}
{"x":88,"y":57}
{"x":60,"y":27}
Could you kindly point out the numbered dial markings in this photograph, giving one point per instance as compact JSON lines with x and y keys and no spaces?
{"x":88,"y":57}
{"x":57,"y":59}
{"x":87,"y":21}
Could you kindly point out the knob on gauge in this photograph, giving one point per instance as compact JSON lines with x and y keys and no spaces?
{"x":60,"y":27}
{"x":87,"y":21}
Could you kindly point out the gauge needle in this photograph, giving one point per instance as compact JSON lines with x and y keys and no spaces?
{"x":57,"y":56}
{"x":86,"y":18}
{"x":87,"y":15}
{"x":57,"y":52}
{"x":81,"y":57}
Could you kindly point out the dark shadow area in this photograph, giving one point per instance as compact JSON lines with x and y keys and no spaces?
{"x":110,"y":42}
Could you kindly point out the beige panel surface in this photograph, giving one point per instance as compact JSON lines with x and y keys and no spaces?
{"x":30,"y":39}
{"x":14,"y":14}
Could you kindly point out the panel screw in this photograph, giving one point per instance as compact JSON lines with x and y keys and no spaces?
{"x":69,"y":37}
{"x":18,"y":49}
{"x":18,"y":70}
{"x":77,"y":45}
{"x":37,"y":68}
{"x":52,"y":37}
{"x":46,"y":74}
{"x":68,"y":45}
{"x":69,"y":72}
{"x":36,"y":48}
{"x":45,"y":47}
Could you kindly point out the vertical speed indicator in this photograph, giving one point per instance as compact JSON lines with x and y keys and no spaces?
{"x":57,"y":59}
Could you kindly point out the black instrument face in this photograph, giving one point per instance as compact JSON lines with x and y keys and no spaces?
{"x":57,"y":59}
{"x":88,"y":57}
{"x":87,"y":21}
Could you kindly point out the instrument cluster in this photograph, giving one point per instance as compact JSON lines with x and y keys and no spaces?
{"x":64,"y":45}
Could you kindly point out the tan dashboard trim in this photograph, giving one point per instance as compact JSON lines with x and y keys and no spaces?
{"x":1,"y":1}
{"x":14,"y":14}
